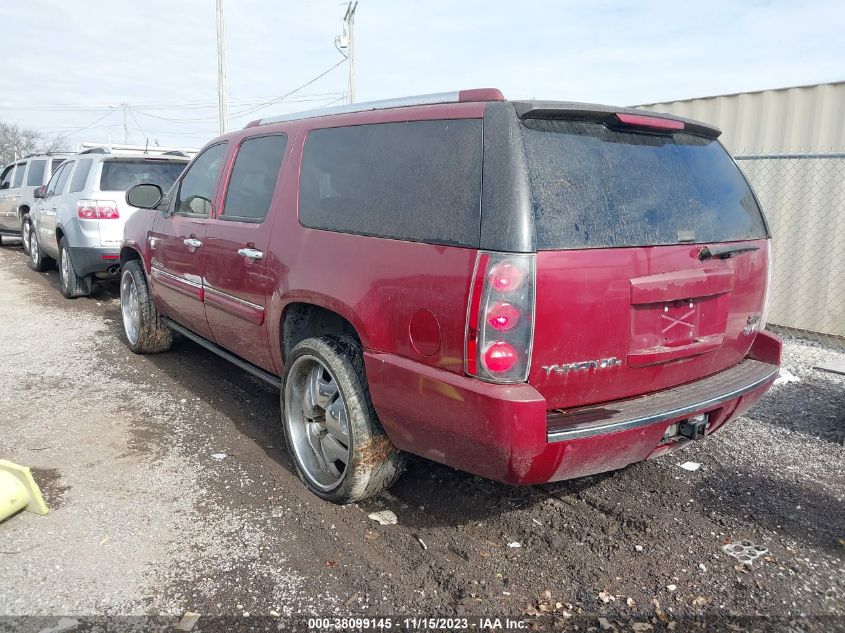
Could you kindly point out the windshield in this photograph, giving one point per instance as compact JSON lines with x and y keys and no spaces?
{"x":120,"y":175}
{"x":595,"y":187}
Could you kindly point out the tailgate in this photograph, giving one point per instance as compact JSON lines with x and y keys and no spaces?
{"x":612,"y":324}
{"x":651,"y":256}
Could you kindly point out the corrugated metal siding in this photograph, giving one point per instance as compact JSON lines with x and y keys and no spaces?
{"x":809,"y":118}
{"x":803,"y":198}
{"x":804,"y":202}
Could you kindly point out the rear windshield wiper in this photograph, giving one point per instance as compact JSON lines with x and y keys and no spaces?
{"x":724,"y":252}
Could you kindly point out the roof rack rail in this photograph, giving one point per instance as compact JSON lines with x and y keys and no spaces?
{"x":88,"y":147}
{"x":458,"y":96}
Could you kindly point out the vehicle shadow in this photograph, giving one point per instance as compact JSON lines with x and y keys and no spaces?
{"x":814,"y":406}
{"x":804,"y":514}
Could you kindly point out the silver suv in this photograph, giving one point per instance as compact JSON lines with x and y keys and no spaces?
{"x":18,"y":182}
{"x":79,"y":217}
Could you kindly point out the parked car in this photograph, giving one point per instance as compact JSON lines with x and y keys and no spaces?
{"x":79,"y":218}
{"x":529,"y":291}
{"x":18,"y":183}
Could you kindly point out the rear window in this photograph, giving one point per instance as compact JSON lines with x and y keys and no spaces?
{"x":35,"y":175}
{"x":417,"y":180}
{"x":594,"y":187}
{"x":120,"y":175}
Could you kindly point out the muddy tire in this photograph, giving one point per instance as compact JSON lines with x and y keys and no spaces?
{"x":26,"y":228}
{"x":333,"y":434}
{"x":38,"y":261}
{"x":142,"y":326}
{"x":71,"y":284}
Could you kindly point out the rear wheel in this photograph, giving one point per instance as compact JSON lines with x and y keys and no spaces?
{"x":338,"y":446}
{"x":26,"y":229}
{"x":142,"y":325}
{"x":71,"y":284}
{"x":38,"y":261}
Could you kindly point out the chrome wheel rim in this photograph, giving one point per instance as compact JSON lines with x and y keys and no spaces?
{"x":25,"y":236}
{"x":130,"y":307}
{"x":65,"y":269}
{"x":33,"y":249}
{"x":317,"y":420}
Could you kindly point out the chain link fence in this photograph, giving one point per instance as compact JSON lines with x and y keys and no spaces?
{"x":803,"y":197}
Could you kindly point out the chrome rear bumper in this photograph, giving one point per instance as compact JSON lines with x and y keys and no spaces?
{"x":669,"y":404}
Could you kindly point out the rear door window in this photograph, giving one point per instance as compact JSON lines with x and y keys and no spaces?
{"x":596,"y":187}
{"x":35,"y":175}
{"x":19,"y":172}
{"x":253,"y":178}
{"x":416,"y":180}
{"x":80,"y":175}
{"x":120,"y":175}
{"x":59,"y":183}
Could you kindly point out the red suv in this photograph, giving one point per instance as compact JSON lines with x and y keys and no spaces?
{"x":528,"y":291}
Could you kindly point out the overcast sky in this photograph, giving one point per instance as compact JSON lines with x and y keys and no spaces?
{"x":65,"y":63}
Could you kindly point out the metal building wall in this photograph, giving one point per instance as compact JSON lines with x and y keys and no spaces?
{"x":803,"y":119}
{"x":791,"y":145}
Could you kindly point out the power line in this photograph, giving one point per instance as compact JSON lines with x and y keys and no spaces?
{"x":85,"y":127}
{"x":285,"y":96}
{"x":140,"y":129}
{"x":196,"y":105}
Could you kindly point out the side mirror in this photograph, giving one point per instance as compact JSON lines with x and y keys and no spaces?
{"x":40,"y":191}
{"x":144,"y":196}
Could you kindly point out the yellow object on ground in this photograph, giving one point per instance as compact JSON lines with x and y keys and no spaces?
{"x":18,"y":491}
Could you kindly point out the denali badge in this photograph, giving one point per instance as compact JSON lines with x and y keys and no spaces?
{"x":601,"y":363}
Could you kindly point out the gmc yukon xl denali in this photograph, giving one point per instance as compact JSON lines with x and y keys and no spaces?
{"x":528,"y":291}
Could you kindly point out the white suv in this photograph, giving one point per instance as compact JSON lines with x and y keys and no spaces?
{"x":79,"y":217}
{"x":18,"y":182}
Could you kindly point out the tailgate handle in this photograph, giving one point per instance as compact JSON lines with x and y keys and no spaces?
{"x":662,"y":354}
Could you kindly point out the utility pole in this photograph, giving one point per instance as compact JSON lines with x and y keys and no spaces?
{"x":125,"y":107}
{"x":222,"y":109}
{"x":349,"y":31}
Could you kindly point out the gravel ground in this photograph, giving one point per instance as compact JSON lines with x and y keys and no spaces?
{"x":146,"y":521}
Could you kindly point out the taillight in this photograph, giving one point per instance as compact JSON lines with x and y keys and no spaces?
{"x":97,"y":210}
{"x":651,"y":122}
{"x":500,"y":317}
{"x":107,"y":210}
{"x":87,"y":209}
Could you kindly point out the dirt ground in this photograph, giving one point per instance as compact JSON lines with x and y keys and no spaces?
{"x":170,"y":491}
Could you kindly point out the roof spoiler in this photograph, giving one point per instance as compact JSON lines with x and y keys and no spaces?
{"x":646,"y":120}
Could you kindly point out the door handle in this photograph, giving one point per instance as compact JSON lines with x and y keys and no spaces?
{"x":190,"y":242}
{"x":251,"y":253}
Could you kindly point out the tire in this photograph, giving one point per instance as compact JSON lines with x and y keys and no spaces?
{"x":142,"y":326}
{"x":71,"y":284}
{"x":26,"y":229}
{"x":38,"y":261}
{"x":324,"y":378}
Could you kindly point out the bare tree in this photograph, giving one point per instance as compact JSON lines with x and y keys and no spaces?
{"x":16,"y":141}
